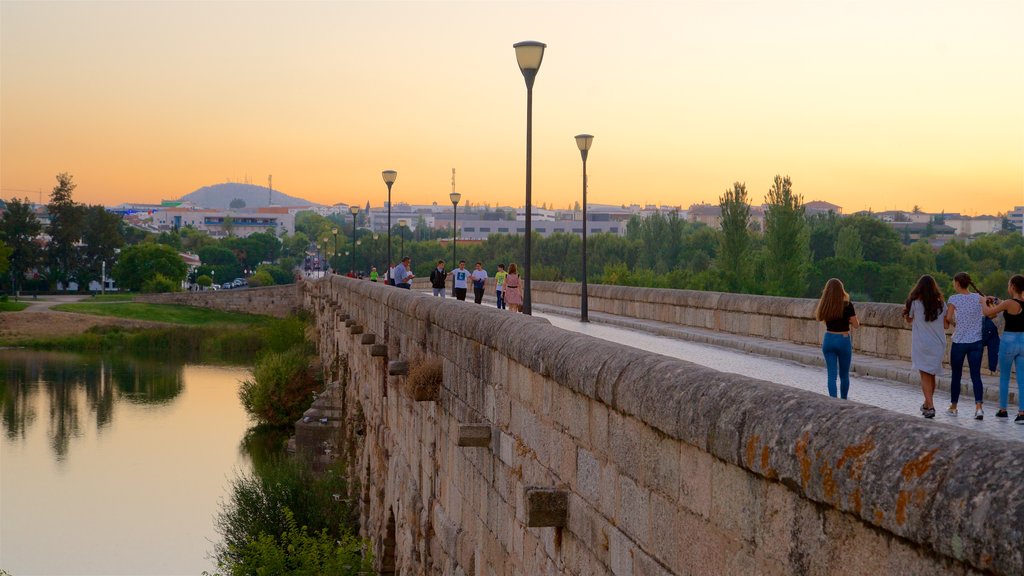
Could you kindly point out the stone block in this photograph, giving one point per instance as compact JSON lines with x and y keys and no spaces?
{"x":546,"y":507}
{"x":368,"y":339}
{"x":349,"y":322}
{"x":478,"y":435}
{"x":398,"y":368}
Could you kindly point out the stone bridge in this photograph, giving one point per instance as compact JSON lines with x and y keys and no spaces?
{"x":487,"y":442}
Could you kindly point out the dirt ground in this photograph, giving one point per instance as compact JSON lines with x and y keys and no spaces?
{"x":38,"y":321}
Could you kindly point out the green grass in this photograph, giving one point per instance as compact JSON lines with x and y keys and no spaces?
{"x":170,"y":313}
{"x":12,"y":306}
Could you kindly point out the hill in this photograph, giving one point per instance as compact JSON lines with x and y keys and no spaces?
{"x":219,"y":196}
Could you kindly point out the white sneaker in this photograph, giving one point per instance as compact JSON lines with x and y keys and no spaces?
{"x":951,"y":410}
{"x":979,"y":414}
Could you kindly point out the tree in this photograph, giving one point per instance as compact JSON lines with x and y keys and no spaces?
{"x":787,"y":240}
{"x":734,"y":241}
{"x":5,"y":255}
{"x":880,"y":242}
{"x":848,"y":245}
{"x":236,"y":204}
{"x":101,"y":238}
{"x":142,"y":262}
{"x":65,"y":229}
{"x":18,"y":229}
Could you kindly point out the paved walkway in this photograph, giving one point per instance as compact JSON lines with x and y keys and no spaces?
{"x":783,"y":363}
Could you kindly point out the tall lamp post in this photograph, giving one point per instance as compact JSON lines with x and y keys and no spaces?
{"x":353,"y":209}
{"x":401,"y":232}
{"x":326,"y":246}
{"x":376,"y":237}
{"x":335,"y":232}
{"x":389,"y":179}
{"x":319,"y":259}
{"x":529,"y":55}
{"x":455,"y":197}
{"x":583,"y":142}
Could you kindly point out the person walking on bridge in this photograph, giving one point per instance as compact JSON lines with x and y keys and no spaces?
{"x":499,"y":286}
{"x":513,"y":289}
{"x":479,"y":282}
{"x":403,"y":274}
{"x":1011,"y":347}
{"x":836,"y":311}
{"x":963,"y":311}
{"x":460,"y":276}
{"x":925,"y":311}
{"x":437,"y":278}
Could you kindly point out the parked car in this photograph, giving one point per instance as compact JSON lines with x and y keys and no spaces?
{"x":226,"y":286}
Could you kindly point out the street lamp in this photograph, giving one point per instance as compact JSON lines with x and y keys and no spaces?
{"x":455,"y":197}
{"x":389,"y":179}
{"x":335,"y":232}
{"x":401,"y":231}
{"x":353,"y":209}
{"x":376,"y":237}
{"x":529,"y":56}
{"x":331,"y":265}
{"x":319,"y":259}
{"x":583,"y":142}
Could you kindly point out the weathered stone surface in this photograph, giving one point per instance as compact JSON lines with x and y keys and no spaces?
{"x":671,"y":468}
{"x":474,"y":435}
{"x":379,"y":350}
{"x":367,"y":339}
{"x":546,"y":507}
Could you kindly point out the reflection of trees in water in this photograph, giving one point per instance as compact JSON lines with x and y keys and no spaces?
{"x":71,"y":380}
{"x":264,"y":445}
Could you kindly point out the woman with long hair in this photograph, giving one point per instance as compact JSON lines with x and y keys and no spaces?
{"x":836,"y":311}
{"x":963,"y":311}
{"x":513,"y":289}
{"x":925,"y":311}
{"x":1011,"y":345}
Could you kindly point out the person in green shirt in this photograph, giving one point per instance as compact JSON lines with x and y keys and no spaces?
{"x":373,"y":274}
{"x":499,"y":283}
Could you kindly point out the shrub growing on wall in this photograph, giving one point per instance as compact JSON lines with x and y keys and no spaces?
{"x":281,"y":387}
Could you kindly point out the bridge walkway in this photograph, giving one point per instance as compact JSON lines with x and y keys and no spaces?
{"x":885,"y":383}
{"x":878,"y":382}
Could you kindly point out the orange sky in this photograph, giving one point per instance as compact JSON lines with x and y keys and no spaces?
{"x":866,"y":104}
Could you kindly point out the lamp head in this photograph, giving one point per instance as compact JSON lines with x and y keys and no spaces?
{"x":389,"y":176}
{"x":334,"y":231}
{"x":403,"y":222}
{"x":353,"y":209}
{"x":529,"y":55}
{"x":455,"y":198}
{"x":583,"y":142}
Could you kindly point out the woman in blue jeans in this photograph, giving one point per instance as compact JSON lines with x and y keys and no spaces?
{"x":836,"y":311}
{"x":1011,"y":346}
{"x":963,"y":310}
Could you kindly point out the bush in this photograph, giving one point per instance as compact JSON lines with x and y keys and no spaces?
{"x":280,"y":388}
{"x":285,"y":519}
{"x":160,"y":283}
{"x":280,"y":274}
{"x":261,"y":278}
{"x":204,"y":280}
{"x":425,"y":379}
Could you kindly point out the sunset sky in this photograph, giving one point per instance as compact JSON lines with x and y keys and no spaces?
{"x":876,"y":104}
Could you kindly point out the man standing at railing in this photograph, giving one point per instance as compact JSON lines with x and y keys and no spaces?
{"x":403,"y":275}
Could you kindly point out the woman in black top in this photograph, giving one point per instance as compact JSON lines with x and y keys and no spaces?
{"x":1011,"y":346}
{"x":836,"y":311}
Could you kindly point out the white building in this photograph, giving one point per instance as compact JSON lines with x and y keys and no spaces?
{"x":216,"y":223}
{"x":968,"y":226}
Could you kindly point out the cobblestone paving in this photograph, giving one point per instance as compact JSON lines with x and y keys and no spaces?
{"x":897,"y":397}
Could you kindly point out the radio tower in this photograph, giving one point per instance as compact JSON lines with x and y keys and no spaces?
{"x":270,"y":190}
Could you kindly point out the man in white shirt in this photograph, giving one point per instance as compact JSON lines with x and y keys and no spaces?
{"x":403,"y":275}
{"x":460,"y":280}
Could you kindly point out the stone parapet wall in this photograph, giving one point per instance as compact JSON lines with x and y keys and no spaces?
{"x":278,"y":301}
{"x":666,"y":467}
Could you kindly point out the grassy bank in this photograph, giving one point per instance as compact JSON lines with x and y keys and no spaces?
{"x":12,"y":306}
{"x":169,"y":313}
{"x":233,"y":342}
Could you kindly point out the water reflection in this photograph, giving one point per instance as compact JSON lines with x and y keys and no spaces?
{"x":79,"y":391}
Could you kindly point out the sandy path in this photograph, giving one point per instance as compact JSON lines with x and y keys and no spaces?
{"x":38,"y":321}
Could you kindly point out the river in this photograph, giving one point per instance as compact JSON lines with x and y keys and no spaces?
{"x":110,"y":465}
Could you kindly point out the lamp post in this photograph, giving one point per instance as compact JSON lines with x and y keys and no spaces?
{"x":583,"y":142}
{"x":401,"y":232}
{"x":455,"y":197}
{"x":353,"y":209}
{"x":376,"y":237}
{"x":335,"y":232}
{"x":529,"y":55}
{"x":319,"y":259}
{"x":326,"y":245}
{"x":389,"y":179}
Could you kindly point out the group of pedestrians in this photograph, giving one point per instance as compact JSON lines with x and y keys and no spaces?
{"x":970,"y":313}
{"x":507,"y":286}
